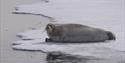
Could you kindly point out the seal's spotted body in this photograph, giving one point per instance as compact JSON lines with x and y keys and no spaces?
{"x":76,"y":33}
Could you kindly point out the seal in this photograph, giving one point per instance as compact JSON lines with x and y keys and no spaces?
{"x":75,"y":33}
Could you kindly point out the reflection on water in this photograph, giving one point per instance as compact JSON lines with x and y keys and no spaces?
{"x":58,"y":57}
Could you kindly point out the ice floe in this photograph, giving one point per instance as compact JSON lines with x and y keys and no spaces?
{"x":106,"y":14}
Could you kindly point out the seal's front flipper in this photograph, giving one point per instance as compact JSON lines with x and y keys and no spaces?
{"x":48,"y":40}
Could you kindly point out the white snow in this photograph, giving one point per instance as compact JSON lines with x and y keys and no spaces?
{"x":33,"y":34}
{"x":76,"y":10}
{"x":105,"y":14}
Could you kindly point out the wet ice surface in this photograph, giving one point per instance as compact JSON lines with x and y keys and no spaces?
{"x":105,"y":14}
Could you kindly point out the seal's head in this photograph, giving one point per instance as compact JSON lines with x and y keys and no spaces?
{"x":50,"y":27}
{"x":53,"y":30}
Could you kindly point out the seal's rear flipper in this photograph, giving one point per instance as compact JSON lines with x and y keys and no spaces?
{"x":111,"y":36}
